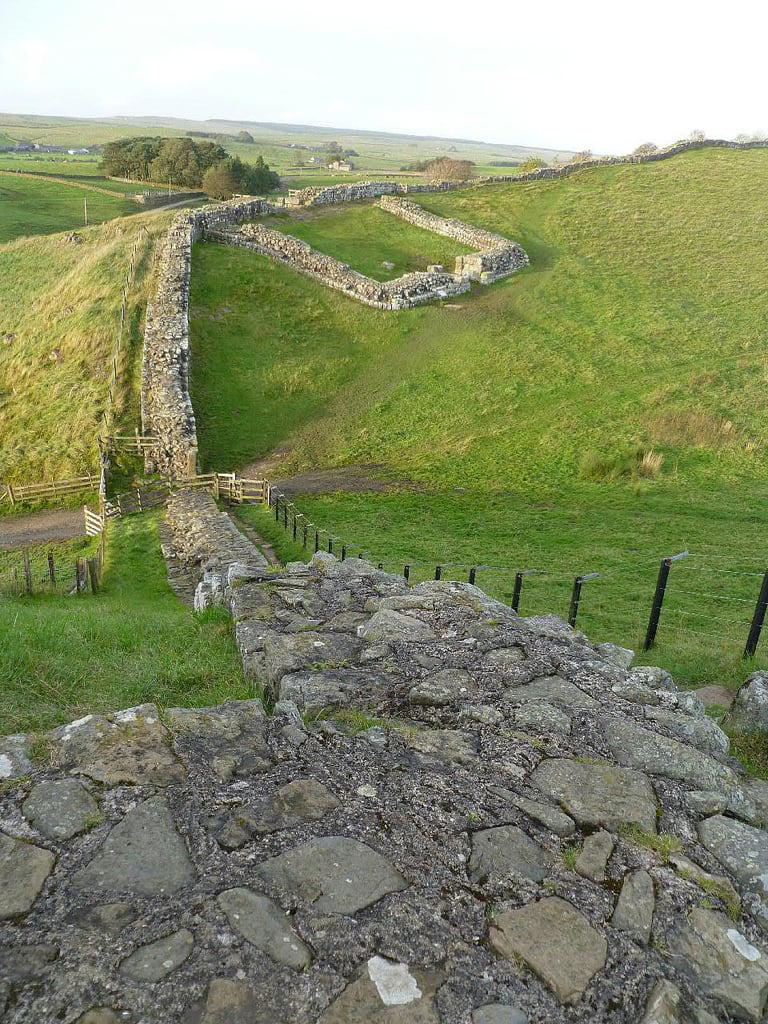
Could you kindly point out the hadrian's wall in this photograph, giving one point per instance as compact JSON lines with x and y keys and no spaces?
{"x":495,"y":257}
{"x":409,"y":290}
{"x":166,"y":409}
{"x":451,"y":815}
{"x":319,"y":195}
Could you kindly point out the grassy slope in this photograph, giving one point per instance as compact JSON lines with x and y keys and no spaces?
{"x":33,"y":206}
{"x":639,"y":326}
{"x":365,"y":237}
{"x":61,"y":298}
{"x":133,"y":642}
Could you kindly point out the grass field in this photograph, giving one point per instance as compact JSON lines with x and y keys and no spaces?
{"x":611,"y":397}
{"x":59,"y":316}
{"x":34,"y":206}
{"x":133,"y":642}
{"x":366,"y":236}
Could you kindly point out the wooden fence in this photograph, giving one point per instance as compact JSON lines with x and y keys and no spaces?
{"x":56,"y":488}
{"x":44,"y":570}
{"x":227,"y":486}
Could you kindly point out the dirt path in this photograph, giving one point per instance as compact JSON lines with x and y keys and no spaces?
{"x":41,"y":527}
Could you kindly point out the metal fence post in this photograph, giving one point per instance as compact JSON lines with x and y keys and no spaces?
{"x":658,"y":599}
{"x":52,"y":569}
{"x":406,"y":572}
{"x":472,"y":574}
{"x":438,"y":572}
{"x":305,"y":530}
{"x":277,"y":508}
{"x":317,"y":541}
{"x":573,"y":611}
{"x":757,"y":620}
{"x":343,"y":552}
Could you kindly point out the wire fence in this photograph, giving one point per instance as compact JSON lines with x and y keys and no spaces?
{"x":683,"y":595}
{"x":46,"y":570}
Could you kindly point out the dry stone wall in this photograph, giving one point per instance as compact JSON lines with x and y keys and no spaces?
{"x":451,"y":815}
{"x":408,"y":290}
{"x":166,"y":409}
{"x":319,"y":196}
{"x":496,"y":256}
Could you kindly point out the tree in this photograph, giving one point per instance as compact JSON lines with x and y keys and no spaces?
{"x":219,"y":181}
{"x":645,"y":149}
{"x":531,"y":163}
{"x":446,"y":169}
{"x":245,"y":137}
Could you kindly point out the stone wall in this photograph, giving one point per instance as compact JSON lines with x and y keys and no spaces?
{"x":166,"y":409}
{"x":451,"y":815}
{"x":403,"y":292}
{"x":152,"y":200}
{"x":204,"y":541}
{"x":496,"y":256}
{"x":318,"y":195}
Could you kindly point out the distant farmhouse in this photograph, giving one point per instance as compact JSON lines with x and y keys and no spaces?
{"x":341,"y":165}
{"x":78,"y":152}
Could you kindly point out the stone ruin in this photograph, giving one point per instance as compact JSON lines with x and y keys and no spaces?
{"x":438,"y":813}
{"x":166,"y":407}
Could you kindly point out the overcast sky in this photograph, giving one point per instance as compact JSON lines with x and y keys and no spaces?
{"x":598,"y":74}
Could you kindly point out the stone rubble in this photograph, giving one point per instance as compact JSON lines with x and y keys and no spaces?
{"x":375,"y":857}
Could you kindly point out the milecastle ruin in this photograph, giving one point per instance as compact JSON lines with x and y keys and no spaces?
{"x":433,"y":810}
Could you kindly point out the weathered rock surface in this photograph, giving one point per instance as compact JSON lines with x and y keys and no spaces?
{"x":749,"y":710}
{"x":23,"y":870}
{"x":556,"y":941}
{"x":61,"y":808}
{"x":324,"y":866}
{"x":599,"y":794}
{"x":143,"y":854}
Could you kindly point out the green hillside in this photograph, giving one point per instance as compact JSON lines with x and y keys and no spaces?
{"x":624,"y":371}
{"x":59,"y":316}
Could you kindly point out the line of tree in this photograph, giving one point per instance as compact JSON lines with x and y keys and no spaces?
{"x":185,"y":162}
{"x":233,"y":177}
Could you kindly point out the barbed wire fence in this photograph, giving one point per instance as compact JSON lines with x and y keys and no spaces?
{"x":682,"y":594}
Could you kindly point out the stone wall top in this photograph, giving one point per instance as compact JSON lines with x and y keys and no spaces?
{"x":451,"y":815}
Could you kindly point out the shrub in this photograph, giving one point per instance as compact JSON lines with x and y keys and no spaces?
{"x":630,"y":465}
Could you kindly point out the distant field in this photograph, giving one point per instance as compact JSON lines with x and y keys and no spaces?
{"x":60,"y":303}
{"x":63,"y":657}
{"x":33,"y":206}
{"x":366,"y":236}
{"x":619,"y":381}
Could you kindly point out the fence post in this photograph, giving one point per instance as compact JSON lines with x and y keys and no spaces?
{"x":438,"y":572}
{"x":277,"y":508}
{"x":343,"y":552}
{"x":51,"y":569}
{"x":305,"y":531}
{"x":11,"y":494}
{"x":317,"y":541}
{"x":27,"y":571}
{"x":515,"y":605}
{"x":406,"y":572}
{"x":658,"y":599}
{"x":93,"y":572}
{"x":472,"y":574}
{"x":757,"y":620}
{"x":295,"y":520}
{"x":573,"y":611}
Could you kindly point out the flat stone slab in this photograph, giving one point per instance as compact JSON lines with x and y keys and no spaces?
{"x":556,"y":941}
{"x":109,"y":917}
{"x":143,"y":854}
{"x":14,"y":757}
{"x":264,"y":924}
{"x":386,"y":992}
{"x":442,"y":688}
{"x":444,"y":745}
{"x":721,"y":963}
{"x":334,"y":874}
{"x":552,"y":690}
{"x":497,"y":852}
{"x":230,"y":1002}
{"x":597,"y":794}
{"x":636,"y":747}
{"x":699,"y":732}
{"x":740,"y":848}
{"x":60,"y":809}
{"x":635,"y":905}
{"x":130,"y":746}
{"x":157,"y":959}
{"x":387,"y":625}
{"x":298,"y":801}
{"x":23,"y":870}
{"x":594,"y":856}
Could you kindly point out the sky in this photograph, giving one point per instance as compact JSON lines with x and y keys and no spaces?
{"x":595,"y":75}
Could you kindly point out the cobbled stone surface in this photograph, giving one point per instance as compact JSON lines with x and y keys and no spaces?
{"x":356,"y":855}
